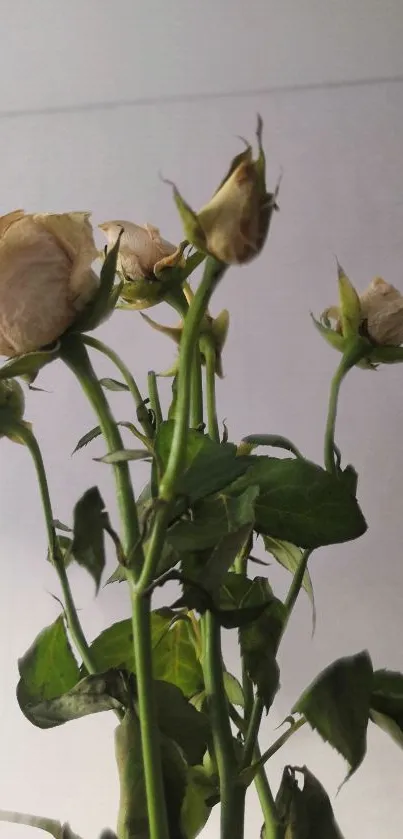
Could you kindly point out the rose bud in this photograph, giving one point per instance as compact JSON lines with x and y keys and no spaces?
{"x":233,"y":226}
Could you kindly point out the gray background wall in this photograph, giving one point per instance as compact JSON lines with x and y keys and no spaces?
{"x":97,"y":98}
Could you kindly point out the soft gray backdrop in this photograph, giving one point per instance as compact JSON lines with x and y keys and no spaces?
{"x":96,"y":99}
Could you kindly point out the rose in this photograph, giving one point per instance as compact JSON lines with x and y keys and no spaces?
{"x":234,"y":224}
{"x":45,"y":277}
{"x":373,"y":321}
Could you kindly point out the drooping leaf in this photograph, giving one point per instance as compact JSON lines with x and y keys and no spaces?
{"x":180,"y":721}
{"x":337,"y":705}
{"x":92,"y":695}
{"x":259,"y":639}
{"x":113,"y":384}
{"x":304,"y":813}
{"x":301,"y":503}
{"x":289,"y":556}
{"x":48,"y":668}
{"x":201,"y":788}
{"x":387,"y":703}
{"x":253,"y":441}
{"x":124,"y":455}
{"x":209,"y":465}
{"x":28,"y":365}
{"x":90,"y":519}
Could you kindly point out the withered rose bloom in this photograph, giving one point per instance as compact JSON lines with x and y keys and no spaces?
{"x":45,"y":277}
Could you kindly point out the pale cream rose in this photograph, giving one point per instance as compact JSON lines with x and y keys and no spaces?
{"x":45,"y":277}
{"x":141,"y":247}
{"x":381,"y":311}
{"x":232,"y":218}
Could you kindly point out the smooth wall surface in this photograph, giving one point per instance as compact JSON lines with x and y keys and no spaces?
{"x":339,"y":148}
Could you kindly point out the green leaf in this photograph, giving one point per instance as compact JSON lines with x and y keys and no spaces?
{"x":213,"y":520}
{"x":59,"y":525}
{"x":350,"y":306}
{"x":88,"y":546}
{"x":175,"y":659}
{"x":113,"y":384}
{"x":99,"y":307}
{"x":233,"y":689}
{"x":290,"y":557}
{"x":252,"y":441}
{"x":48,"y":668}
{"x":124,"y":455}
{"x":304,"y":813}
{"x":209,"y":466}
{"x":337,"y":705}
{"x":259,"y":639}
{"x":201,"y":788}
{"x":335,"y":339}
{"x":387,"y":703}
{"x":64,"y":544}
{"x":87,"y":438}
{"x":301,"y":503}
{"x":174,"y":656}
{"x":92,"y":695}
{"x":180,"y":721}
{"x":28,"y":364}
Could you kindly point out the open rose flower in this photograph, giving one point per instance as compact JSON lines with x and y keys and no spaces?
{"x":45,"y":277}
{"x":234,"y":224}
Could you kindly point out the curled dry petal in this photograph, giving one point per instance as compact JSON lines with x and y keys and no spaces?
{"x":141,"y":247}
{"x":45,"y":277}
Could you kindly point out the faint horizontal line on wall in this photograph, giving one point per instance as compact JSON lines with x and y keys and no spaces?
{"x":174,"y":99}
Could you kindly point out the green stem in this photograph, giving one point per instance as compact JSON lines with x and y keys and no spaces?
{"x":355,"y":351}
{"x":280,"y":741}
{"x":295,"y":587}
{"x":51,"y":826}
{"x":197,"y":390}
{"x":232,"y":803}
{"x":267,"y":803}
{"x":73,"y":622}
{"x":76,"y":357}
{"x":155,"y":403}
{"x":252,"y":732}
{"x":253,"y":716}
{"x":142,"y":413}
{"x":74,"y":354}
{"x":209,"y":353}
{"x":220,"y":724}
{"x":179,"y":302}
{"x":212,"y":274}
{"x":338,"y":377}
